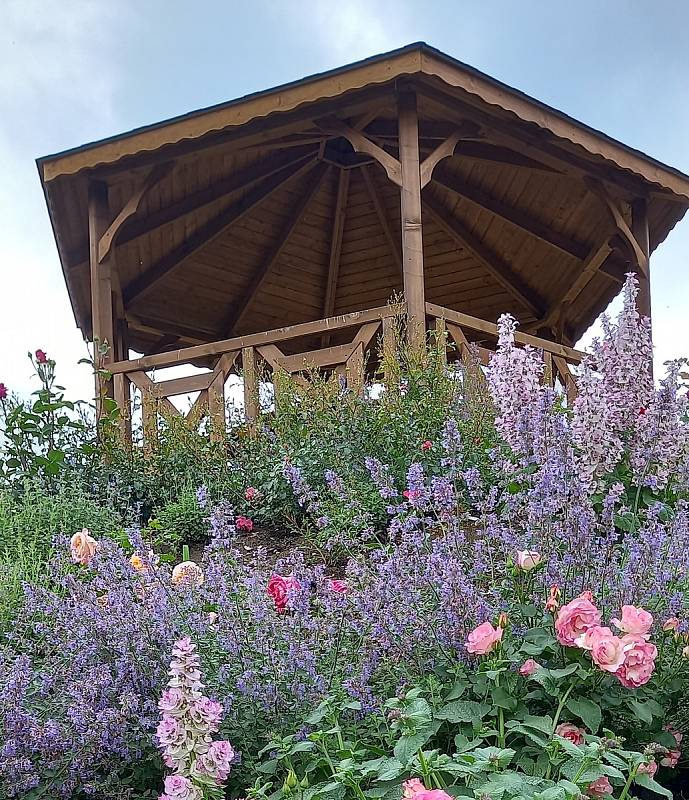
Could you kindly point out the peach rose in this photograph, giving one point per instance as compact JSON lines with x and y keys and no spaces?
{"x":528,"y":559}
{"x":607,"y":650}
{"x":83,"y":546}
{"x":575,"y":618}
{"x":599,"y":788}
{"x":571,"y":732}
{"x":635,"y":621}
{"x":137,"y":562}
{"x":483,"y":639}
{"x":529,"y":667}
{"x":639,"y":662}
{"x":187,"y":573}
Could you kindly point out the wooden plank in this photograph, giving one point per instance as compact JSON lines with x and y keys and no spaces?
{"x":394,"y":241}
{"x":640,"y":233}
{"x":410,"y":210}
{"x":366,"y":334}
{"x":241,"y":307}
{"x":101,"y":273}
{"x":144,"y":283}
{"x":146,"y":385}
{"x":131,"y":207}
{"x":481,"y":325}
{"x":361,"y":144}
{"x":250,"y":383}
{"x":355,"y":369}
{"x":198,"y":410}
{"x":198,"y":352}
{"x":491,"y":261}
{"x":525,"y":222}
{"x":317,"y":359}
{"x":186,"y":385}
{"x":216,"y":408}
{"x":124,"y":404}
{"x":460,"y":340}
{"x":335,"y":247}
{"x":567,"y":378}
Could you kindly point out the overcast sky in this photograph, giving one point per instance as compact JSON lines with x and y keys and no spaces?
{"x":72,"y":71}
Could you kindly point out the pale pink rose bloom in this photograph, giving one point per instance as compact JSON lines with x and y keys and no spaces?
{"x":529,"y":667}
{"x":671,"y":624}
{"x":433,"y":794}
{"x":575,"y":618}
{"x":636,"y":621}
{"x":648,"y":768}
{"x":528,"y":559}
{"x":671,"y":759}
{"x":188,"y":573}
{"x":571,"y":732}
{"x":607,"y":650}
{"x":599,"y":788}
{"x":212,"y":617}
{"x":83,"y":546}
{"x":412,"y":787}
{"x":685,"y":652}
{"x":483,"y":639}
{"x":639,"y":662}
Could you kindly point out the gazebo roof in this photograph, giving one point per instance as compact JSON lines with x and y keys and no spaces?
{"x":230,"y":219}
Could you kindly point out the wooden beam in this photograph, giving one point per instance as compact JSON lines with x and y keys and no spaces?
{"x":514,"y":216}
{"x":250,"y":378}
{"x":169,"y":328}
{"x":615,"y":213}
{"x":410,"y":212}
{"x":483,"y":326}
{"x":147,"y":388}
{"x":131,"y":207}
{"x":101,"y":293}
{"x":190,"y":383}
{"x":218,"y":225}
{"x":395,"y":242}
{"x":640,"y":232}
{"x":241,"y":307}
{"x":362,"y":144}
{"x":303,"y":329}
{"x":443,"y":150}
{"x":335,"y":248}
{"x":489,"y":260}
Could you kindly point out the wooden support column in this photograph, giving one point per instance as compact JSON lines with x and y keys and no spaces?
{"x":103,"y":333}
{"x":641,"y":234}
{"x":412,"y":235}
{"x":250,"y":384}
{"x":216,"y":407}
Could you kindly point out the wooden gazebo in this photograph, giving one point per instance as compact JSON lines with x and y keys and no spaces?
{"x":278,"y":225}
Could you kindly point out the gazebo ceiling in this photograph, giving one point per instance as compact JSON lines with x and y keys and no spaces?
{"x":259,"y":214}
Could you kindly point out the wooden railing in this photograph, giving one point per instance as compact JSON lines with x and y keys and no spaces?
{"x":255,"y":352}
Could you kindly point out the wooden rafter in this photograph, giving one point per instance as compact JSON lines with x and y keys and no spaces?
{"x":612,"y":208}
{"x":393,"y":241}
{"x":491,"y":261}
{"x":335,"y":248}
{"x":240,"y":308}
{"x":525,"y":222}
{"x":444,"y":150}
{"x":131,"y":207}
{"x":210,"y":231}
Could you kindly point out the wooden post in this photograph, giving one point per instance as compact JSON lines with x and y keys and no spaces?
{"x":250,"y":384}
{"x":355,"y":370}
{"x":149,"y":421}
{"x":641,"y":234}
{"x":412,"y":235}
{"x":103,"y":328}
{"x":216,"y":407}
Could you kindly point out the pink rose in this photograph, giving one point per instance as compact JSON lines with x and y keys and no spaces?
{"x":571,"y":732}
{"x":599,"y":788}
{"x":671,"y":624}
{"x":427,"y":445}
{"x":3,"y":391}
{"x":41,"y":356}
{"x":83,"y":547}
{"x":411,"y":788}
{"x":278,"y":588}
{"x":639,"y":662}
{"x":553,"y":601}
{"x":188,"y":573}
{"x":648,"y":768}
{"x":483,"y":639}
{"x":251,"y":493}
{"x":575,"y":618}
{"x":433,"y":794}
{"x":528,"y":559}
{"x":338,"y":586}
{"x":607,"y":650}
{"x":529,"y":667}
{"x":411,"y":494}
{"x":671,"y":759}
{"x":244,"y":524}
{"x":634,"y":620}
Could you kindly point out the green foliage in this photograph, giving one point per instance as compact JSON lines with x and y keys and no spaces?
{"x":23,"y":564}
{"x":182,"y":520}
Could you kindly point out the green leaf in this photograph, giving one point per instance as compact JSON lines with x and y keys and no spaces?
{"x":642,"y":710}
{"x":502,"y":699}
{"x":462,"y":711}
{"x":587,"y":711}
{"x":457,"y":690}
{"x":648,"y":783}
{"x":410,"y":744}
